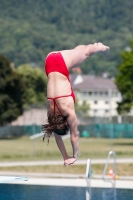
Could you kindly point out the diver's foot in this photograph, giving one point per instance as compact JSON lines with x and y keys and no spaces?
{"x":98,"y":47}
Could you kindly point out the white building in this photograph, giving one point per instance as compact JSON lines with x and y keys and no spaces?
{"x":100,"y":93}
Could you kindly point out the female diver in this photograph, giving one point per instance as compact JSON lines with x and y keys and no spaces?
{"x":61,"y":98}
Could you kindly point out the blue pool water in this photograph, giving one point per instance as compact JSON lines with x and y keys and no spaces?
{"x":36,"y":192}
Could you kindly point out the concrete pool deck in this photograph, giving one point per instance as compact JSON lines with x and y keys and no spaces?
{"x":72,"y":182}
{"x":75,"y":180}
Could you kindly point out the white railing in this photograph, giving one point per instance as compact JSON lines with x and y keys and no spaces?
{"x":88,"y":180}
{"x":110,"y":193}
{"x":106,"y":193}
{"x":113,"y":181}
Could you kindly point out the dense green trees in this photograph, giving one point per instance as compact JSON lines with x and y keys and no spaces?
{"x":11,"y":92}
{"x":30,"y":29}
{"x":35,"y":81}
{"x":19,"y":89}
{"x":124,"y":80}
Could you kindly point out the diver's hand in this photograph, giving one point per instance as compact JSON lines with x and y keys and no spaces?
{"x":69,"y":161}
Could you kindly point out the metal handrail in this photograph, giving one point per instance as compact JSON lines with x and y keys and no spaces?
{"x":88,"y":169}
{"x":114,"y":169}
{"x":88,"y":180}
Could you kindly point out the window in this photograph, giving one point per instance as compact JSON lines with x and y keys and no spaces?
{"x":90,"y":93}
{"x":84,"y":93}
{"x":95,"y":93}
{"x":106,"y":102}
{"x":106,"y":93}
{"x":95,"y":102}
{"x":106,"y":111}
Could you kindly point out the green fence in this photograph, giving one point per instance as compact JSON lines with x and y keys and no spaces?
{"x":107,"y":130}
{"x":94,"y":130}
{"x":17,"y":131}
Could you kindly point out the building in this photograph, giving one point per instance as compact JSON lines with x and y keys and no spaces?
{"x":100,"y":93}
{"x":33,"y":116}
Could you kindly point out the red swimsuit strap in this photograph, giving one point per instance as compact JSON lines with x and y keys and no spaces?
{"x":54,"y":100}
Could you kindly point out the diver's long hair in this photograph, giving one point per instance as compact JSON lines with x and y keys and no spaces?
{"x":57,"y":124}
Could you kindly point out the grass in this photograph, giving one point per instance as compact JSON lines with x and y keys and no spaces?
{"x":122,"y":169}
{"x":23,"y":149}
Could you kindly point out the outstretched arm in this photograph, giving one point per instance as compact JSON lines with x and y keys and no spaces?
{"x":72,"y":121}
{"x":61,"y":146}
{"x":74,"y":134}
{"x":67,"y":159}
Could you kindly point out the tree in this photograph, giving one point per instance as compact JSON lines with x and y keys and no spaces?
{"x":63,"y":27}
{"x":124,"y":80}
{"x":36,"y":84}
{"x":11,"y":92}
{"x":82,"y":109}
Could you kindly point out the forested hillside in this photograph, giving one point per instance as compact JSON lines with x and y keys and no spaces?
{"x":29,"y":29}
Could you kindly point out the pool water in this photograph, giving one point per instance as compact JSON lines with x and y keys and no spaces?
{"x":36,"y":192}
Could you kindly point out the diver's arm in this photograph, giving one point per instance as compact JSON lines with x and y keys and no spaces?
{"x":67,"y":159}
{"x":74,"y":134}
{"x":61,"y":146}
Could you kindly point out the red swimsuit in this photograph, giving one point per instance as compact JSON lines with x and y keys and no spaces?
{"x":55,"y":63}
